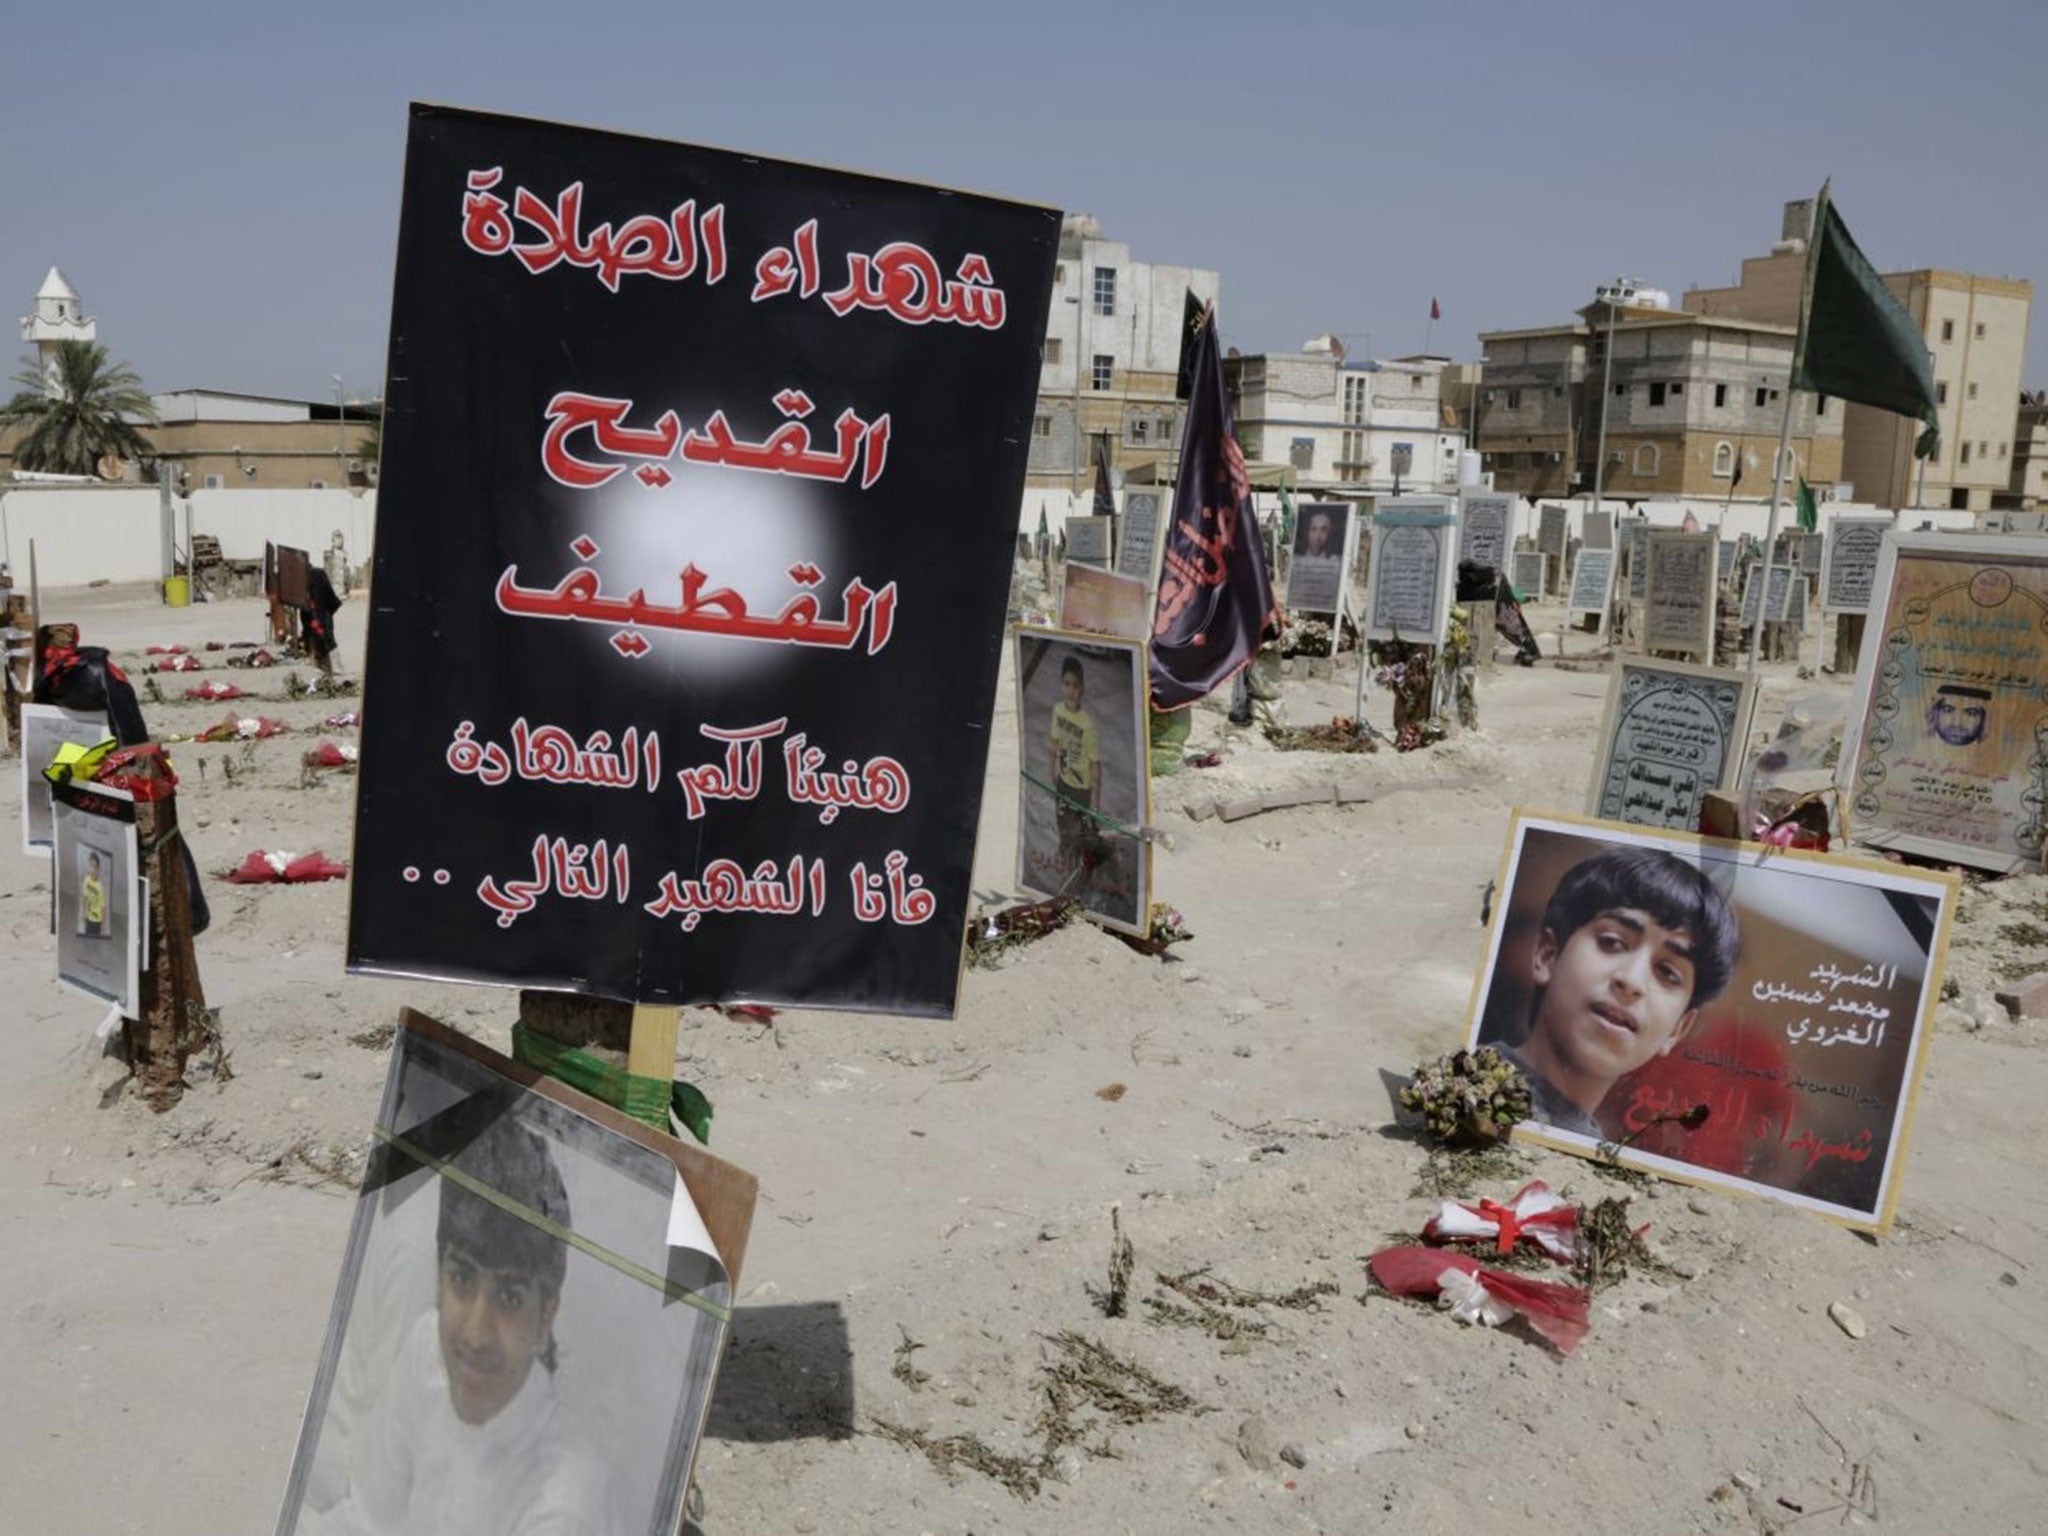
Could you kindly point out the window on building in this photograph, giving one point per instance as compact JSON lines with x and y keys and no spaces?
{"x":1983,"y":450}
{"x":1657,"y":392}
{"x":1762,"y":395}
{"x":1966,"y":453}
{"x":1620,"y":390}
{"x":1970,"y":390}
{"x":1041,"y":426}
{"x":1557,"y":391}
{"x":1948,"y":330}
{"x":1166,"y":428}
{"x":1678,"y":389}
{"x":1052,"y":349}
{"x":1099,"y":375}
{"x":1415,"y":379}
{"x":1941,"y":391}
{"x":1980,"y":330}
{"x":210,"y":482}
{"x":1724,"y":460}
{"x":1514,"y":399}
{"x":1820,"y":405}
{"x":1356,"y":394}
{"x":1720,"y":396}
{"x":1646,"y":458}
{"x":1301,"y":452}
{"x":1105,"y":290}
{"x":1141,"y":429}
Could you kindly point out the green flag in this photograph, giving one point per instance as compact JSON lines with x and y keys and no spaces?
{"x":1809,"y":514}
{"x":1855,"y":339}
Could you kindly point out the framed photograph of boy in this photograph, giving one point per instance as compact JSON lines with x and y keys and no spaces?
{"x":99,"y":917}
{"x":1946,"y":749}
{"x":1084,"y":786}
{"x":1722,"y":1013}
{"x":45,"y":728}
{"x":531,"y":1311}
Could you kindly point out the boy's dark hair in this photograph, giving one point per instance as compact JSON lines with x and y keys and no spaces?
{"x":1071,"y":667}
{"x":1672,"y":891}
{"x":515,"y":1164}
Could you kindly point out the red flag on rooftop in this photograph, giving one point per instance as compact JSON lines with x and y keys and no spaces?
{"x":1435,"y":309}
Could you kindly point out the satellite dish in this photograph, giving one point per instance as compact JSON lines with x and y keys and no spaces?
{"x":110,"y":466}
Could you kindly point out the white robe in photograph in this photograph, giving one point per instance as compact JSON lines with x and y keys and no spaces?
{"x":418,"y":1470}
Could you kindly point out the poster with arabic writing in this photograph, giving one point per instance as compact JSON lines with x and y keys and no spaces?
{"x":1672,"y":732}
{"x":1728,"y":1014}
{"x":1947,"y":752}
{"x":699,"y":489}
{"x":1412,"y":570}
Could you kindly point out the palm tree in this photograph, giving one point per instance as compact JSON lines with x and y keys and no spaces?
{"x":86,"y":419}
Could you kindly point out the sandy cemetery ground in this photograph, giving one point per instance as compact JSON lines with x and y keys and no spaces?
{"x":935,"y":1217}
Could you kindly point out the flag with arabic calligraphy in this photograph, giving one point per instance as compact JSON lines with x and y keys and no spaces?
{"x":697,"y":518}
{"x":1215,"y":598}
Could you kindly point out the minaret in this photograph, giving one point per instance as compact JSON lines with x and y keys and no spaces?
{"x":58,"y":317}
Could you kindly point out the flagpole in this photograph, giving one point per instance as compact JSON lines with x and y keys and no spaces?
{"x":1763,"y":605}
{"x":1763,"y":597}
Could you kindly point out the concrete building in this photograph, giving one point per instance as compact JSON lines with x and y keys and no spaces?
{"x":1975,"y":329}
{"x":1691,"y":397}
{"x":1346,"y":428}
{"x":2027,"y":489}
{"x":217,"y":439}
{"x":1111,"y":358}
{"x":214,"y":439}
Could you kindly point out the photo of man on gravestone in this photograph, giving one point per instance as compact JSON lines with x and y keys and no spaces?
{"x":1631,"y":943}
{"x":1315,"y":576}
{"x":1958,"y":714}
{"x":1317,"y":534}
{"x":465,"y":1434}
{"x":528,"y":1316}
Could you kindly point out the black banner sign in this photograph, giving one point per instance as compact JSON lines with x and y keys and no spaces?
{"x":694,"y":540}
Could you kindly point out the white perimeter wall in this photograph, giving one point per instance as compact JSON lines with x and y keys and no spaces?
{"x":113,"y":533}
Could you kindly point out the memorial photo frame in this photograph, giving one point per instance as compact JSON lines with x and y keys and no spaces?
{"x":1945,"y":753}
{"x":1084,"y":781}
{"x":532,"y":1306}
{"x":1324,"y":553}
{"x":1726,"y":1014}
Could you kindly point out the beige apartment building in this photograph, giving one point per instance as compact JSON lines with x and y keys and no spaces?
{"x":1975,"y":329}
{"x":1690,"y":398}
{"x":2027,"y":490}
{"x":1111,"y":359}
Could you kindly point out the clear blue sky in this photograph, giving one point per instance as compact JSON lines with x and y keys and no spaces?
{"x":221,"y":181}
